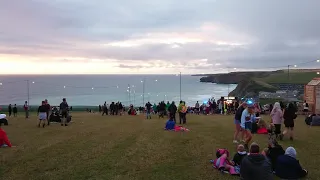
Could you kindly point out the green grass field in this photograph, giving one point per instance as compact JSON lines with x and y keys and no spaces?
{"x":294,"y":77}
{"x":131,"y":147}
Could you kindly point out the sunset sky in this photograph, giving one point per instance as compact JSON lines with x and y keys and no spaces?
{"x":156,"y":37}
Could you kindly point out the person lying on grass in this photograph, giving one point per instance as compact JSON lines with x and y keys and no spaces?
{"x":4,"y":141}
{"x":288,"y":167}
{"x":223,"y":164}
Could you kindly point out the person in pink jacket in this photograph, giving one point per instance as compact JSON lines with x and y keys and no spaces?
{"x":276,"y":118}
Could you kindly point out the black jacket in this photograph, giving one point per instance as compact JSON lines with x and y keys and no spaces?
{"x":172,"y":108}
{"x":237,"y":158}
{"x":274,"y":153}
{"x":239,"y":113}
{"x":256,"y":167}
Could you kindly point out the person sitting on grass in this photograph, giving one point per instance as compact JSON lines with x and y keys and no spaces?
{"x":288,"y":167}
{"x":274,"y":151}
{"x":255,"y":166}
{"x":170,"y":125}
{"x":237,"y":158}
{"x":4,"y":141}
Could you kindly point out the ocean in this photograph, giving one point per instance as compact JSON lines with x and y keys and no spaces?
{"x":92,"y":90}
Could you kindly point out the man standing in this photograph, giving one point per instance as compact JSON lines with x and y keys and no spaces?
{"x":26,"y":109}
{"x":64,"y":112}
{"x":197,"y":108}
{"x":172,"y":111}
{"x":148,"y":108}
{"x":48,"y":107}
{"x":105,"y":109}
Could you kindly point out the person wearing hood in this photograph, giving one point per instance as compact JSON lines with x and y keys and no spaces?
{"x":288,"y":167}
{"x":276,"y":116}
{"x":255,"y":166}
{"x":172,"y":111}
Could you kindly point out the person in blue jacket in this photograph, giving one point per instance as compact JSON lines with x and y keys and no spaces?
{"x":247,"y":118}
{"x":288,"y":167}
{"x":170,"y":124}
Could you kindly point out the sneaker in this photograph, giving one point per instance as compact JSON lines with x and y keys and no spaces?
{"x":66,"y":125}
{"x":235,"y":142}
{"x":291,"y":138}
{"x":61,"y":124}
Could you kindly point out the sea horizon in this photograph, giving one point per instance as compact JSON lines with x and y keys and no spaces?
{"x":94,"y":89}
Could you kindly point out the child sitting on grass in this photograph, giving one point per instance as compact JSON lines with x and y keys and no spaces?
{"x":4,"y":141}
{"x":237,"y":158}
{"x":170,"y":125}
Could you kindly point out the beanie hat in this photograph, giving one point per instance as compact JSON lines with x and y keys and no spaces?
{"x":290,"y":151}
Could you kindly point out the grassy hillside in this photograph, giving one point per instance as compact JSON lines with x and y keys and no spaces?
{"x":294,"y":77}
{"x":99,"y":147}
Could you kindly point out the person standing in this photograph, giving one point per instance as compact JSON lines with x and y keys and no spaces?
{"x":276,"y":116}
{"x":64,"y":112}
{"x":183,"y":112}
{"x":247,"y":118}
{"x":173,"y":111}
{"x":42,"y":113}
{"x":26,"y":109}
{"x":48,"y":107}
{"x":105,"y":109}
{"x":197,"y":108}
{"x":15,"y":110}
{"x":237,"y":121}
{"x":305,"y":108}
{"x":10,"y":110}
{"x":289,"y":116}
{"x":148,"y":108}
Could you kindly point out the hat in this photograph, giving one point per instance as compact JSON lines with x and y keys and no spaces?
{"x":290,"y":151}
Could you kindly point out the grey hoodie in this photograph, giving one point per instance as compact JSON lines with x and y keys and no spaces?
{"x":256,"y":167}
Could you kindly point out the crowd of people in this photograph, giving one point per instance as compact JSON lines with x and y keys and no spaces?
{"x":248,"y":162}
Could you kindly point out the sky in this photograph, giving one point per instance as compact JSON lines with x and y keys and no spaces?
{"x":157,"y":37}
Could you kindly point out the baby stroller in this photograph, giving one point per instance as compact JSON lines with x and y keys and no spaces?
{"x":55,"y":116}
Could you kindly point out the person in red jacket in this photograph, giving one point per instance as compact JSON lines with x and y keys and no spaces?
{"x":4,"y":141}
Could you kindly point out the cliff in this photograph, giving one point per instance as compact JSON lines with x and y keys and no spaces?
{"x":250,"y":87}
{"x":236,"y":77}
{"x":251,"y":83}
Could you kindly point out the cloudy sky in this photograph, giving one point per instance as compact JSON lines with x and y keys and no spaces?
{"x":158,"y":36}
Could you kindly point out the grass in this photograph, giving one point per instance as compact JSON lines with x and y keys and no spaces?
{"x":130,"y":147}
{"x":294,"y":77}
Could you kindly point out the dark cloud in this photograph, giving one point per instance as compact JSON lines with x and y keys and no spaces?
{"x":248,"y":33}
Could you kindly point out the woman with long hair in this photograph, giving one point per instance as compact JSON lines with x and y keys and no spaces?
{"x":276,"y":118}
{"x":289,"y":116}
{"x":237,"y":122}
